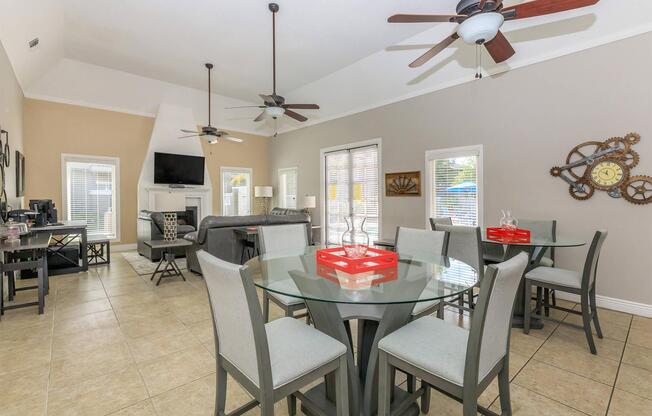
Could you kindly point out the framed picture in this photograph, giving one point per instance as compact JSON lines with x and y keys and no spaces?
{"x":20,"y":174}
{"x":403,"y":184}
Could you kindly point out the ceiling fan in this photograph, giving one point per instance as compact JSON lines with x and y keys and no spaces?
{"x":480,"y":22}
{"x":211,"y":133}
{"x":273,"y":104}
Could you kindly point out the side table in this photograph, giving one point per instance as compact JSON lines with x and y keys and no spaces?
{"x":167,"y":267}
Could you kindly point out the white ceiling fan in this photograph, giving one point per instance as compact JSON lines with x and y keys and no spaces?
{"x":212,"y":134}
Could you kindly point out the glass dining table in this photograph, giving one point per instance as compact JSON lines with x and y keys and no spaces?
{"x":380,"y":301}
{"x":535,"y":248}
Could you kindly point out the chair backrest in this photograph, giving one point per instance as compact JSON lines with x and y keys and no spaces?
{"x":592,"y":257}
{"x":240,"y":336}
{"x":465,"y":244}
{"x":416,"y":242}
{"x":492,"y":318}
{"x":544,"y":229}
{"x":290,"y":238}
{"x":441,"y":221}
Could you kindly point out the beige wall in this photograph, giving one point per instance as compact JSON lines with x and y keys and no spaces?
{"x":528,"y":120}
{"x":52,"y":129}
{"x":252,"y":153}
{"x":11,"y":120}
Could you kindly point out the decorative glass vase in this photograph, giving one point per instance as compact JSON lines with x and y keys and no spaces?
{"x":355,"y":240}
{"x":508,"y":221}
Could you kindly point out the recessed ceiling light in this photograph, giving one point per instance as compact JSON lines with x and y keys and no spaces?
{"x":33,"y":42}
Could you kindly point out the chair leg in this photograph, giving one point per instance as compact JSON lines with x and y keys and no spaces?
{"x":586,"y":321}
{"x":425,"y":399}
{"x":538,"y":301}
{"x":440,"y":310}
{"x":220,"y":390}
{"x":267,"y":407}
{"x":546,"y":301}
{"x":265,"y":307}
{"x":411,"y":383}
{"x":460,"y":302}
{"x":342,"y":388}
{"x":470,"y":298}
{"x":503,"y":389}
{"x":527,"y":308}
{"x":384,"y":384}
{"x":292,"y":405}
{"x":594,"y":313}
{"x":553,"y":295}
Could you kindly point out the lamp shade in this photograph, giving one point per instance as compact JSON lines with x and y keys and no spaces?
{"x":263,"y":191}
{"x":309,"y":201}
{"x":170,"y":202}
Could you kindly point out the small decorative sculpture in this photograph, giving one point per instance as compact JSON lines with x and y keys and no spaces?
{"x":605,"y":166}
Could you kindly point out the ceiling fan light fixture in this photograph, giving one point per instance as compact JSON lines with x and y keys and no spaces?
{"x":212,"y":141}
{"x":480,"y":28}
{"x":275,"y":112}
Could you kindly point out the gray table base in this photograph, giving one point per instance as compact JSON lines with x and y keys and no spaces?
{"x":535,"y":254}
{"x":170,"y":267}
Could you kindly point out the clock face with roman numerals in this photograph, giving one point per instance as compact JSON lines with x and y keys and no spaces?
{"x":608,"y":174}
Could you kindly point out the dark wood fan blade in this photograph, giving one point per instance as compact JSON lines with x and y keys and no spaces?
{"x":499,"y":48}
{"x":260,"y":117}
{"x":423,"y":18}
{"x":268,"y":99}
{"x":434,"y":51}
{"x":295,"y":116}
{"x":542,"y":7}
{"x":302,"y":106}
{"x":190,"y":131}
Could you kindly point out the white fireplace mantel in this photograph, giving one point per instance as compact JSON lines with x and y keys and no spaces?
{"x":195,"y":197}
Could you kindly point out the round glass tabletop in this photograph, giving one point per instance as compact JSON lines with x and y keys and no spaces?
{"x":414,"y":279}
{"x":538,"y":241}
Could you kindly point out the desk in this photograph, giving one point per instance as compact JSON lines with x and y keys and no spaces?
{"x":62,"y":235}
{"x":38,"y":245}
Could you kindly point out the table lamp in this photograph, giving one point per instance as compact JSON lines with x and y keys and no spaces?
{"x":266,"y":193}
{"x":169,"y":203}
{"x":309,"y":202}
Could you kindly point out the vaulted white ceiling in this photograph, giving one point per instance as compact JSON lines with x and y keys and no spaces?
{"x":341,"y":54}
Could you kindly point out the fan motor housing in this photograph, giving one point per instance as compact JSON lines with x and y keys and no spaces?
{"x":467,"y":7}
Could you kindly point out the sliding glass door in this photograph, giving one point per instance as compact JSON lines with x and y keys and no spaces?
{"x":351,"y":187}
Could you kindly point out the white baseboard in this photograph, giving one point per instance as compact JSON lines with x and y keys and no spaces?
{"x":122,"y":247}
{"x":620,"y":305}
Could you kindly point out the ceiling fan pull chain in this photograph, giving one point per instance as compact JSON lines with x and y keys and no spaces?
{"x":478,"y":62}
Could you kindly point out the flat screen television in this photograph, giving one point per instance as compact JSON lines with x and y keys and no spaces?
{"x":178,"y":169}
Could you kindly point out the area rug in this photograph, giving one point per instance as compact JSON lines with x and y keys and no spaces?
{"x":142,"y":265}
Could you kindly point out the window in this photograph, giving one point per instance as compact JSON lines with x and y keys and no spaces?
{"x":351,"y":188}
{"x":236,"y":191}
{"x":90,"y":193}
{"x":287,"y":188}
{"x":454,"y":184}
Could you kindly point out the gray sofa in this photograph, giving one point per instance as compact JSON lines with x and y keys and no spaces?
{"x":216,"y":236}
{"x":150,"y":227}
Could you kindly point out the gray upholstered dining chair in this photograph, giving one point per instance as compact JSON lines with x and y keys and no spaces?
{"x":271,"y":361}
{"x":449,"y":358}
{"x":422,"y":244}
{"x":546,"y":229}
{"x":287,"y":239}
{"x":579,"y":283}
{"x":464,"y":244}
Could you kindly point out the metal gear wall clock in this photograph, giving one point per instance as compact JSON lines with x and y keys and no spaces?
{"x":605,"y":166}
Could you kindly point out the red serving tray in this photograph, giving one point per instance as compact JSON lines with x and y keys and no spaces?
{"x":357,"y":281}
{"x":508,"y":235}
{"x":375,"y":259}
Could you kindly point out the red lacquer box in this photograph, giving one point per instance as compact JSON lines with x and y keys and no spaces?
{"x":508,"y":235}
{"x":375,"y":259}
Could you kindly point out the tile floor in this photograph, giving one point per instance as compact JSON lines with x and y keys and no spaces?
{"x":111,"y":343}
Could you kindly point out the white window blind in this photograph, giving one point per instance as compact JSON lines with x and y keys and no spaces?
{"x":352,"y":189}
{"x":287,"y":188}
{"x":455,"y":185}
{"x":91,"y":193}
{"x":236,"y":191}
